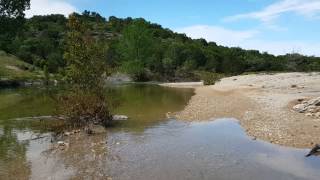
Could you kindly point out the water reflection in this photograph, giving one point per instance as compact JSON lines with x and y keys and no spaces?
{"x":146,"y":105}
{"x":13,"y":160}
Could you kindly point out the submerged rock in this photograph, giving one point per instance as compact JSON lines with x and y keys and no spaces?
{"x":120,"y":117}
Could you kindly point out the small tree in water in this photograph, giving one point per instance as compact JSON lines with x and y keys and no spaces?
{"x":85,"y":103}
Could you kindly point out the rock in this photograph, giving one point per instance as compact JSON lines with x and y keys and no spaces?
{"x":309,"y":114}
{"x":76,"y":131}
{"x":312,"y":109}
{"x":314,"y":150}
{"x":120,"y":117}
{"x":300,"y":100}
{"x":67,"y":133}
{"x":62,"y":143}
{"x":55,"y":82}
{"x":311,"y":106}
{"x":299,"y":108}
{"x":315,"y":101}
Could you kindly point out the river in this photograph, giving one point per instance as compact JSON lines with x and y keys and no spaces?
{"x":147,"y":146}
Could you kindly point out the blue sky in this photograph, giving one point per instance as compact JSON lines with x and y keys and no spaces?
{"x":275,"y":26}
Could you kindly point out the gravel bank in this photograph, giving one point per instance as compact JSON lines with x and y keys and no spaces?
{"x":263,"y":104}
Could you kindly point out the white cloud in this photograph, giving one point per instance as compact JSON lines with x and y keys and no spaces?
{"x":45,"y":7}
{"x":307,"y":8}
{"x":218,"y":34}
{"x":248,"y":40}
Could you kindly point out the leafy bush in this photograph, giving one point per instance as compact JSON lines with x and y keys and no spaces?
{"x":209,"y":78}
{"x":83,"y":108}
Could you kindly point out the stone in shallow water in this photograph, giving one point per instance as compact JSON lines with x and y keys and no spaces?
{"x":120,"y":117}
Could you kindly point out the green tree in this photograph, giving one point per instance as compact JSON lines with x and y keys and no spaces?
{"x":13,"y":8}
{"x":11,"y":20}
{"x":136,"y":45}
{"x":85,"y":104}
{"x":84,"y":56}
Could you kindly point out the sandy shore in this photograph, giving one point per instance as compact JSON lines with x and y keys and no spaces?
{"x":263,"y":105}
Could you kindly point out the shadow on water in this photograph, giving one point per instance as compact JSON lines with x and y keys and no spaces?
{"x":148,"y":146}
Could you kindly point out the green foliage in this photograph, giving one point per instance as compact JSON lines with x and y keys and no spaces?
{"x":84,"y":56}
{"x":13,"y":8}
{"x":209,"y":78}
{"x":135,"y":49}
{"x":11,"y":20}
{"x":135,"y":69}
{"x":144,"y":50}
{"x":85,"y":103}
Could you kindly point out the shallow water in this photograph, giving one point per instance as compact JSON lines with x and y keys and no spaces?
{"x":146,"y":105}
{"x":211,"y":150}
{"x":148,"y":146}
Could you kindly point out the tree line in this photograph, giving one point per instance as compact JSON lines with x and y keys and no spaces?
{"x":144,"y":50}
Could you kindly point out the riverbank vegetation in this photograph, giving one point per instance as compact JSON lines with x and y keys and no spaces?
{"x":144,"y":50}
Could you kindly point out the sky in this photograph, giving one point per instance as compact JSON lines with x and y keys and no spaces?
{"x":273,"y":26}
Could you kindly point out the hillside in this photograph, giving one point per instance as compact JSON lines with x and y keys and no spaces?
{"x":14,"y":71}
{"x":146,"y":51}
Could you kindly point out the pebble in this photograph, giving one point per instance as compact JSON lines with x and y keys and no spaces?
{"x":67,"y":133}
{"x":61,"y":143}
{"x":309,"y":114}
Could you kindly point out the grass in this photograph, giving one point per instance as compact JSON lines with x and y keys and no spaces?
{"x":13,"y":69}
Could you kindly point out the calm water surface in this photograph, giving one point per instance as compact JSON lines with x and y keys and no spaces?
{"x":148,"y":146}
